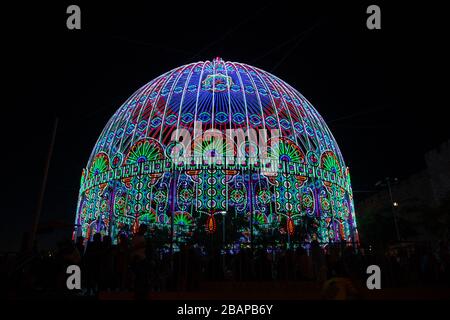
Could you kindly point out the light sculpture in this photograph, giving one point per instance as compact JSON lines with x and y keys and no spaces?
{"x":192,"y":142}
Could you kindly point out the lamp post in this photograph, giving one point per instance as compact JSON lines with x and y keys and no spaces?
{"x":393,"y":203}
{"x":37,"y":214}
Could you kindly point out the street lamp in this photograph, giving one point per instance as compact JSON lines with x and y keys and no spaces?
{"x":394,"y":204}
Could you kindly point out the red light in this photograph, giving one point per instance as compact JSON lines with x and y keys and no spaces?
{"x":290,"y":226}
{"x":211,"y":224}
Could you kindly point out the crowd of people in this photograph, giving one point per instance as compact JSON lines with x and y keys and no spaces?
{"x":136,"y":264}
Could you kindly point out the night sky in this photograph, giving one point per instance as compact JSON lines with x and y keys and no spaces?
{"x":377,"y":89}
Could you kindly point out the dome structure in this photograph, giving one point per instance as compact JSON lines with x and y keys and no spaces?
{"x":211,"y":141}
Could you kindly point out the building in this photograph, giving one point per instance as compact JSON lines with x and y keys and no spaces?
{"x":425,"y":190}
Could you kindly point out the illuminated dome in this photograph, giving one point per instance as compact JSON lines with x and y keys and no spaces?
{"x":187,"y":151}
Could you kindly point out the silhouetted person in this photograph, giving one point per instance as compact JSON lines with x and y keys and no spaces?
{"x":93,"y":256}
{"x":193,"y":269}
{"x":444,"y":257}
{"x":107,"y":264}
{"x":282,"y":266}
{"x":183,"y":268}
{"x":80,"y":245}
{"x":267,"y":266}
{"x":318,"y":260}
{"x":122,"y":261}
{"x":67,"y":255}
{"x":260,"y":258}
{"x":301,"y":264}
{"x":139,"y":262}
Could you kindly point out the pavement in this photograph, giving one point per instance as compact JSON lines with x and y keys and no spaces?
{"x":281,"y":291}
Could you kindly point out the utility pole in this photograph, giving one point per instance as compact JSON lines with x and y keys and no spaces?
{"x":393,"y":207}
{"x":37,"y":214}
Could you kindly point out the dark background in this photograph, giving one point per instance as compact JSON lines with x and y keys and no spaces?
{"x":382,"y":92}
